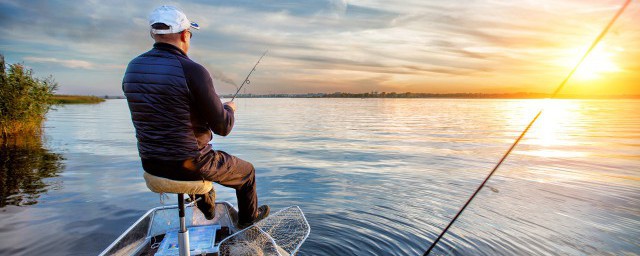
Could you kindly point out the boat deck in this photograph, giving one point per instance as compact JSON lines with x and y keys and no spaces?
{"x":146,"y":235}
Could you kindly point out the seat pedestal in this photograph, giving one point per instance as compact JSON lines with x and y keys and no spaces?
{"x":183,"y":234}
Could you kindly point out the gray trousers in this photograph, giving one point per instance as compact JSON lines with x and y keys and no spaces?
{"x":230,"y":171}
{"x":217,"y":166}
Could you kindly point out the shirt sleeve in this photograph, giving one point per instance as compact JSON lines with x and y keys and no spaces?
{"x":219,"y":117}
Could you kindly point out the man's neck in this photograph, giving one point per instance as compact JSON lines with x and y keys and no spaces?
{"x":180,"y":46}
{"x":169,"y":45}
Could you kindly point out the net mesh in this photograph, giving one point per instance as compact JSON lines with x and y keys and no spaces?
{"x":281,"y":233}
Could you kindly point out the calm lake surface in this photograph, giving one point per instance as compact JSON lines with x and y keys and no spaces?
{"x":374,"y":176}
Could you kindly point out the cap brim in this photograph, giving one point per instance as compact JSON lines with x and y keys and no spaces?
{"x":194,"y":25}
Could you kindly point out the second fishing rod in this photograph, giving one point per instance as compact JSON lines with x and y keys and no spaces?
{"x":515,"y":143}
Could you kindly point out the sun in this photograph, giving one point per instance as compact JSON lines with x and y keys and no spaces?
{"x":599,"y":62}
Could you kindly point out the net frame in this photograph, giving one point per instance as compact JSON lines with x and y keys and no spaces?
{"x":281,"y":233}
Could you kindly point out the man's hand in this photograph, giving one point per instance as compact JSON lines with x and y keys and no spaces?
{"x":231,"y":104}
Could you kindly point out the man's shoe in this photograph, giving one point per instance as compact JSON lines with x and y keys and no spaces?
{"x":263,"y":212}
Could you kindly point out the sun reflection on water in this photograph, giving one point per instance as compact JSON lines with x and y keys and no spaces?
{"x":566,"y":134}
{"x":552,"y":133}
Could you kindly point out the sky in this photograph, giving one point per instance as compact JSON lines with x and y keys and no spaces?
{"x":318,"y":46}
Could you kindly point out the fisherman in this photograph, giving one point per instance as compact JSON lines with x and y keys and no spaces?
{"x":175,"y":109}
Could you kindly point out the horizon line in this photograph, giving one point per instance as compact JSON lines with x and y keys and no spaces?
{"x":467,"y":95}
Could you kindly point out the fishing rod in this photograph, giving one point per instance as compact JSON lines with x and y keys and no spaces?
{"x":555,"y":93}
{"x":246,"y":80}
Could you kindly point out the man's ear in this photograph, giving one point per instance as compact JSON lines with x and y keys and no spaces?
{"x":151,"y":35}
{"x":183,"y":36}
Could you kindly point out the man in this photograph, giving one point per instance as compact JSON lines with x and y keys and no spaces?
{"x":175,"y":109}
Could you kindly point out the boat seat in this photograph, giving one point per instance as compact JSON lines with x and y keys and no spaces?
{"x":164,"y":185}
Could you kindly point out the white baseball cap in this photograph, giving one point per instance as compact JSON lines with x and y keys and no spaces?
{"x":172,"y":17}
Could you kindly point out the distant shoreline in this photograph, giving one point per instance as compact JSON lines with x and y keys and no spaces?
{"x":420,"y":96}
{"x":435,"y":95}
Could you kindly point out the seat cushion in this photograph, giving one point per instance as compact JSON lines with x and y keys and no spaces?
{"x":164,"y":185}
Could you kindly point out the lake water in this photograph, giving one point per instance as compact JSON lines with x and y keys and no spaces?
{"x":373,"y":176}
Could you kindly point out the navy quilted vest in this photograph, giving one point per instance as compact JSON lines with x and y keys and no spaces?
{"x":159,"y":100}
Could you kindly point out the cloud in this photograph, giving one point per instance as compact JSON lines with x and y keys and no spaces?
{"x":74,"y":64}
{"x":363,"y":45}
{"x":67,"y":63}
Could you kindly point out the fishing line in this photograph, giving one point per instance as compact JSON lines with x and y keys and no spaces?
{"x":246,"y":80}
{"x":555,"y":93}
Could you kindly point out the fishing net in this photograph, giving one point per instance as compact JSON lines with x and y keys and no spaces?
{"x":281,"y":234}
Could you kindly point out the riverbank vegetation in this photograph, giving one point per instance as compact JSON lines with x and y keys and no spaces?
{"x":24,"y":99}
{"x":24,"y":162}
{"x":76,"y":99}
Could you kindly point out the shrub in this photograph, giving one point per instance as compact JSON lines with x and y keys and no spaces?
{"x":24,"y":100}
